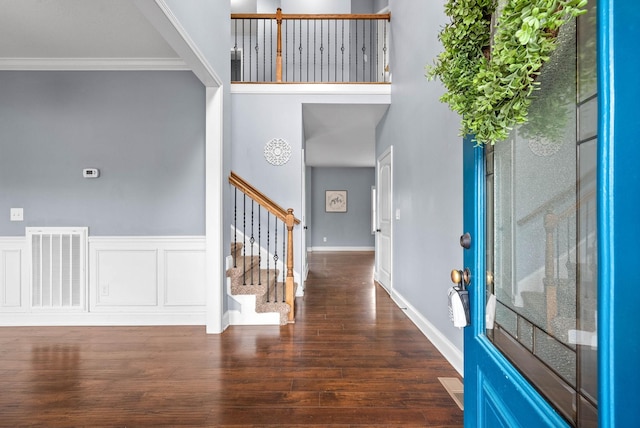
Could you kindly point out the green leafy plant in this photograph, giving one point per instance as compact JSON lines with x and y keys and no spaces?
{"x":489,"y":82}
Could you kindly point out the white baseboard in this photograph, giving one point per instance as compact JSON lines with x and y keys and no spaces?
{"x":452,"y":353}
{"x":253,"y":318}
{"x":320,"y":249}
{"x":101,"y":319}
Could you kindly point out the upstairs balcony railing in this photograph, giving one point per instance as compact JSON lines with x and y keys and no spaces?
{"x":305,"y":48}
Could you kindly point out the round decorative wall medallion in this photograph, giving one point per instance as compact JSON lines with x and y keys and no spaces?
{"x":543,"y":147}
{"x":277,"y":151}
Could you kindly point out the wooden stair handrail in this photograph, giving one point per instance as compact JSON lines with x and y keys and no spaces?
{"x":260,"y":197}
{"x":285,"y":16}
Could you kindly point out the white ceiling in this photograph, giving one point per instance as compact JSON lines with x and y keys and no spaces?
{"x":341,"y":135}
{"x":114,"y":34}
{"x":34,"y":33}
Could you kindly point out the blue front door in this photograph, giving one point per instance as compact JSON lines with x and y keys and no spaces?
{"x":554,"y":215}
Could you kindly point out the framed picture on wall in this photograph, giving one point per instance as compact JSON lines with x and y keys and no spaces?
{"x":335,"y":201}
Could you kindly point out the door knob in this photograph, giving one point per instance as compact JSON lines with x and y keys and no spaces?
{"x":465,"y":241}
{"x":460,"y":277}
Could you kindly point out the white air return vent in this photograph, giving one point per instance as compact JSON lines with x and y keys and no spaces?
{"x":58,"y":267}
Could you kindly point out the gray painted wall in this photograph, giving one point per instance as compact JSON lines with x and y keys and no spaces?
{"x":368,"y":6}
{"x":427,"y":170}
{"x":143,"y":130}
{"x":255,"y":120}
{"x":316,"y":6}
{"x":350,"y":229}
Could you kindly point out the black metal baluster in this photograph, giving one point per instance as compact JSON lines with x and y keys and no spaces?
{"x":349,"y":79}
{"x":243,"y":33}
{"x":377,"y":67}
{"x":250,"y":42}
{"x":251,"y":241}
{"x":259,"y":245}
{"x":275,"y":259}
{"x":235,"y":227}
{"x":264,"y":50}
{"x":321,"y":50}
{"x":335,"y":52}
{"x":307,"y":50}
{"x":300,"y":50}
{"x":286,"y":51}
{"x":293,"y":51}
{"x":314,"y":48}
{"x":371,"y":49}
{"x":355,"y":53}
{"x":328,"y":51}
{"x":384,"y":53}
{"x":342,"y":49}
{"x":268,"y":252}
{"x":364,"y":50}
{"x":257,"y":49}
{"x":244,"y":241}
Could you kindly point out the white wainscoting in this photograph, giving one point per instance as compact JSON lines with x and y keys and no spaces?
{"x":132,"y":281}
{"x":13,"y":274}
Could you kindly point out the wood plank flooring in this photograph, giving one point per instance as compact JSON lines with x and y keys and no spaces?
{"x":352,"y":359}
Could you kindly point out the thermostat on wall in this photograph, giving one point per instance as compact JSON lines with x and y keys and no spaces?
{"x":91,"y":173}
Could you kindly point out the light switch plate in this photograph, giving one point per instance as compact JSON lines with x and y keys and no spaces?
{"x":16,"y":214}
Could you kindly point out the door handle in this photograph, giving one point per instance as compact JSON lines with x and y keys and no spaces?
{"x":461,"y":277}
{"x":378,"y":230}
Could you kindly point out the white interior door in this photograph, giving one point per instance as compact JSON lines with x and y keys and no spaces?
{"x":304,"y":268}
{"x":384,"y":228}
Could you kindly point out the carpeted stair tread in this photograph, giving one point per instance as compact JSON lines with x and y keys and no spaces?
{"x":248,"y":279}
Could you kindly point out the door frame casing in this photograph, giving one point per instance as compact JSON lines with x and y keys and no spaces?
{"x":618,"y":205}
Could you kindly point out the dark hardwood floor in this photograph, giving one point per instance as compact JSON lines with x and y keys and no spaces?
{"x":352,"y":359}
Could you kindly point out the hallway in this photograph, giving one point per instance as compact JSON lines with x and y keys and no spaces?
{"x":352,"y":359}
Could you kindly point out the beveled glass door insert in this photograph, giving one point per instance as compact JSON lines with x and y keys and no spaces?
{"x":541,"y":232}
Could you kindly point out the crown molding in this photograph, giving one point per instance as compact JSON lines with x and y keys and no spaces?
{"x":116,"y":64}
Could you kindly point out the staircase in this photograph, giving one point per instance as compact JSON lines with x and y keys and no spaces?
{"x":258,"y":295}
{"x":261,"y":258}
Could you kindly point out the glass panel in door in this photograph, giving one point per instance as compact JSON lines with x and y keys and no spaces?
{"x":541,"y":232}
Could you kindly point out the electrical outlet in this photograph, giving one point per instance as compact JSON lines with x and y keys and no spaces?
{"x":324,"y":239}
{"x":104,"y":290}
{"x":16,"y":214}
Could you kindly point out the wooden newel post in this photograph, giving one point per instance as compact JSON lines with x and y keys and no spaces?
{"x":279,"y":46}
{"x":289,"y":288}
